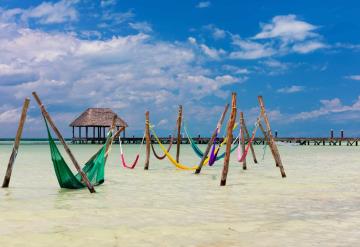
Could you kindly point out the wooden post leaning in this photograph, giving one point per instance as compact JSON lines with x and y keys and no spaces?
{"x":148,"y":140}
{"x":16,"y":144}
{"x":246,"y":132}
{"x":266,"y":138}
{"x":242,"y":138}
{"x":272,"y":144}
{"x":110,"y":141}
{"x":229,"y":137}
{"x":178,"y":142}
{"x":207,"y":150}
{"x":66,"y":147}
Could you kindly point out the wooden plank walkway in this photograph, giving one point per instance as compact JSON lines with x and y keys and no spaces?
{"x":302,"y":141}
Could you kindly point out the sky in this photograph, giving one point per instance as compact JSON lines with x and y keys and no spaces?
{"x":133,"y":56}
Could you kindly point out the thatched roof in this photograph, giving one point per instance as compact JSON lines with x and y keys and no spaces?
{"x":97,"y":117}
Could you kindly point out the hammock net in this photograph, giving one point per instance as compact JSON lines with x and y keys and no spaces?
{"x":94,"y":168}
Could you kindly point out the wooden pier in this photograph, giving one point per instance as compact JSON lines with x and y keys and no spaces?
{"x":302,"y":141}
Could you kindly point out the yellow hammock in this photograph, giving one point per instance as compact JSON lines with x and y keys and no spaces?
{"x":173,"y":160}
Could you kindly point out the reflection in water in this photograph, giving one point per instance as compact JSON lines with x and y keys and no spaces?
{"x":316,"y":205}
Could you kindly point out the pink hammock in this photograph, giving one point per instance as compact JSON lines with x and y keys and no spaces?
{"x":133,"y":165}
{"x":242,"y":157}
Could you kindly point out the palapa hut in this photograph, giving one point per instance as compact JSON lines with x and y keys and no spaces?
{"x":98,"y":119}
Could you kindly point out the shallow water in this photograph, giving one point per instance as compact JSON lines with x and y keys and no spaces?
{"x":316,"y":205}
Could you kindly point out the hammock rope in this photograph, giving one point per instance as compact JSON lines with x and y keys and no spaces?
{"x":264,"y":150}
{"x":133,"y":165}
{"x":242,"y":158}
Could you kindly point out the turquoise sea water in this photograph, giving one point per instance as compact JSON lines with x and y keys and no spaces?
{"x":318,"y":204}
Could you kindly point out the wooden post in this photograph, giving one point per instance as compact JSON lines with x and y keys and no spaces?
{"x":266,"y":137}
{"x":61,"y":139}
{"x":16,"y":144}
{"x":242,"y":126}
{"x":148,"y":140}
{"x":109,"y":143}
{"x":272,"y":143}
{"x":206,"y":153}
{"x":229,"y":137}
{"x":248,"y":137}
{"x":178,"y":133}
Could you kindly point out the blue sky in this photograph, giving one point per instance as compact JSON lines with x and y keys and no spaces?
{"x":133,"y":56}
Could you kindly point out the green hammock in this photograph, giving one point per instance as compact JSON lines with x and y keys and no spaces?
{"x":94,"y":168}
{"x":200,"y":153}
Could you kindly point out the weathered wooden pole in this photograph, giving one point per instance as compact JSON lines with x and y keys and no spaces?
{"x":66,"y":147}
{"x":242,"y":126}
{"x":178,"y":142}
{"x":266,"y":137}
{"x":272,"y":143}
{"x":148,"y":140}
{"x":206,"y":153}
{"x":16,"y":144}
{"x":109,"y":143}
{"x":229,"y":137}
{"x":248,"y":137}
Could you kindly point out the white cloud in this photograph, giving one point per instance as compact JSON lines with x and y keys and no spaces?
{"x":107,"y":3}
{"x":50,"y":13}
{"x":228,"y":79}
{"x":212,"y":52}
{"x":284,"y":35}
{"x":192,"y":40}
{"x":235,"y":69}
{"x":216,"y":32}
{"x":204,"y":4}
{"x":247,"y":49}
{"x":353,"y":77}
{"x":291,"y":89}
{"x":116,"y":18}
{"x":141,"y":26}
{"x":287,"y":27}
{"x":328,"y":107}
{"x":307,"y":47}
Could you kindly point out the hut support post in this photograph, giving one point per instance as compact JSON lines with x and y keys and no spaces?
{"x":178,"y":142}
{"x":148,"y":140}
{"x":242,"y":126}
{"x":66,"y":147}
{"x":104,"y":135}
{"x":229,"y":137}
{"x":206,"y":153}
{"x":246,"y":132}
{"x":16,"y":144}
{"x":272,"y":143}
